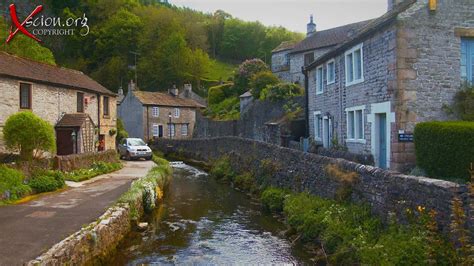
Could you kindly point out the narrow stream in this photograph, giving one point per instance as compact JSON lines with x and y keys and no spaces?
{"x":204,"y":222}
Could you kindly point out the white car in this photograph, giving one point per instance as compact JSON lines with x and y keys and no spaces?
{"x":134,"y":148}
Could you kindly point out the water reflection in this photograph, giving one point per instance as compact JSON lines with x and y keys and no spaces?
{"x":203,"y":222}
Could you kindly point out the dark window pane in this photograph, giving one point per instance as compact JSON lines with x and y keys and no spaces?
{"x":25,"y":96}
{"x":80,"y":102}
{"x":106,"y":105}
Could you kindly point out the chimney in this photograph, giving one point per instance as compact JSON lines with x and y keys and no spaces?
{"x":310,"y":27}
{"x":392,"y":3}
{"x":120,"y":91}
{"x":174,"y":91}
{"x":187,"y":90}
{"x":132,"y":86}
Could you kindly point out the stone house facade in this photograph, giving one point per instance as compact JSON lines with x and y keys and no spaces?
{"x":54,"y":93}
{"x":368,"y":93}
{"x":154,"y":115}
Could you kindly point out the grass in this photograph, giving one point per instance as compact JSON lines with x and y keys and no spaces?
{"x":96,"y":169}
{"x":219,"y":70}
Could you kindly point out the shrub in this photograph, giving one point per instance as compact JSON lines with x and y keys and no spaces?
{"x":26,"y":132}
{"x":445,"y":149}
{"x":222,"y":170}
{"x":121,"y":132}
{"x":261,"y":80}
{"x":228,"y":109}
{"x":44,"y":184}
{"x":273,"y":199}
{"x":463,"y":106}
{"x":246,"y":71}
{"x":97,"y":168}
{"x":280,"y":91}
{"x":216,"y":94}
{"x":11,"y":182}
{"x":246,"y":182}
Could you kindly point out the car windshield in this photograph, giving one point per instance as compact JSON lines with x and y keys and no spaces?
{"x":136,"y":142}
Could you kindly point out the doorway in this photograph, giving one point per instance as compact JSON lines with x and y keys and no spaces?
{"x":64,"y":141}
{"x":160,"y":131}
{"x":381,"y":140}
{"x":327,"y":132}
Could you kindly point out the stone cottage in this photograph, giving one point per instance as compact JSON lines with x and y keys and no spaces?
{"x":288,"y":58}
{"x":369,"y":92}
{"x":81,"y":110}
{"x":152,"y":115}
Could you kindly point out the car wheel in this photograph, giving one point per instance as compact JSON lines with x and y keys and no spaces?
{"x":148,"y":158}
{"x":127,"y":157}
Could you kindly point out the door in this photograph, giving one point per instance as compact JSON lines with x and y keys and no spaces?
{"x":382,"y":140}
{"x":160,"y":131}
{"x":326,"y":132}
{"x":64,"y":141}
{"x":101,"y":142}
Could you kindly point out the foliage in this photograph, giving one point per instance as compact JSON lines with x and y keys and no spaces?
{"x":45,"y":181}
{"x":219,"y":93}
{"x":281,"y":91}
{"x":246,"y":182}
{"x":465,"y":251}
{"x":444,"y":149}
{"x":220,"y":71}
{"x":273,"y":198}
{"x":228,"y":109}
{"x":11,"y":183}
{"x":26,"y":132}
{"x":260,"y":81}
{"x":463,"y":106}
{"x":97,"y":168}
{"x":121,"y":132}
{"x":345,"y":179}
{"x":222,"y":170}
{"x":26,"y":47}
{"x":246,"y":71}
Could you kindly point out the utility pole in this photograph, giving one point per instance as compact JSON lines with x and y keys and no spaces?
{"x":135,"y":54}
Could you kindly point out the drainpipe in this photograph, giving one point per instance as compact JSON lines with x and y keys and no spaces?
{"x":98,"y":115}
{"x":306,"y":100}
{"x":147,"y":125}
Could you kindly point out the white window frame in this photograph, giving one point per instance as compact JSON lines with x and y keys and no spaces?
{"x":176,"y":112}
{"x":155,"y":111}
{"x":356,"y":138}
{"x":352,"y":51}
{"x":328,"y":81}
{"x":318,"y":127}
{"x":157,"y":128}
{"x":183,"y":131}
{"x":171,"y":130}
{"x":319,"y":83}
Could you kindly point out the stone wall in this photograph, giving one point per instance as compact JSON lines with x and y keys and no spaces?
{"x":385,"y":191}
{"x":84,"y":160}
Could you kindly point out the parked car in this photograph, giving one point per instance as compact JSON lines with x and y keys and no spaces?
{"x":134,"y":148}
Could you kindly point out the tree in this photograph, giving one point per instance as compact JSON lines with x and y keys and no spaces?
{"x":246,"y":71}
{"x":121,"y":132}
{"x":261,"y":80}
{"x":28,"y":133}
{"x":281,"y":91}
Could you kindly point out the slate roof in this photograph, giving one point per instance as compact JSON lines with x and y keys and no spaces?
{"x":288,"y":45}
{"x":164,"y":99}
{"x":329,"y":37}
{"x":29,"y":70}
{"x":73,"y":120}
{"x":371,"y":28}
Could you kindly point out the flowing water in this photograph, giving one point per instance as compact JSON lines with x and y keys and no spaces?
{"x":203,"y":222}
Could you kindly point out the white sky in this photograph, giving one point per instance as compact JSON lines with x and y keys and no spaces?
{"x":293,"y":14}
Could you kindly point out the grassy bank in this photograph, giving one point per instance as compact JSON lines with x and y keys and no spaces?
{"x":346,"y":233}
{"x":98,"y":168}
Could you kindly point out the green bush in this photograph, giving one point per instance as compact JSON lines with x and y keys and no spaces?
{"x":45,"y":183}
{"x":11,"y":181}
{"x":222,"y":170}
{"x":463,"y":106}
{"x":219,"y":93}
{"x":97,"y":168}
{"x":246,"y":182}
{"x":245,"y":73}
{"x":228,"y":109}
{"x":121,"y":132}
{"x":273,"y":199}
{"x":261,"y":80}
{"x":281,"y":91}
{"x":26,"y":132}
{"x":445,"y":149}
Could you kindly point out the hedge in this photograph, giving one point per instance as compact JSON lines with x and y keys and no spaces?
{"x":445,"y":150}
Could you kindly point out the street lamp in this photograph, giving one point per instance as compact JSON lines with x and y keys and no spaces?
{"x":169,"y":125}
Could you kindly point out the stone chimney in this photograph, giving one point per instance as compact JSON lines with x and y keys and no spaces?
{"x":120,"y":91}
{"x":310,"y":27}
{"x":187,"y":90}
{"x":174,"y":91}
{"x":132,"y":86}
{"x":392,"y":3}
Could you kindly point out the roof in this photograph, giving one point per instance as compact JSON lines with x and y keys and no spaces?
{"x":245,"y":95}
{"x":29,"y":70}
{"x":164,"y":99}
{"x":288,"y":45}
{"x":72,"y":120}
{"x":372,"y":27}
{"x":329,"y":37}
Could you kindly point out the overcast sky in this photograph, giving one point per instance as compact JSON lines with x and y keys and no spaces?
{"x":294,"y":14}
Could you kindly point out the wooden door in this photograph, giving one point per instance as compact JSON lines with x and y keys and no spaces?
{"x":64,"y":142}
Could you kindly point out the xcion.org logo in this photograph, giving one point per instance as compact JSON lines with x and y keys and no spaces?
{"x":45,"y":25}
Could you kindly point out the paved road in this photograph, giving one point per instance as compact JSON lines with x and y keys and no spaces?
{"x":27,"y":230}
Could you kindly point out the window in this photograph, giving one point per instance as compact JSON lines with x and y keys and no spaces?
{"x":318,"y":121}
{"x":184,"y":129}
{"x":25,"y":96}
{"x":467,"y":59}
{"x":287,"y":60}
{"x":155,"y":111}
{"x":319,"y":80}
{"x":308,"y":58}
{"x":176,"y":112}
{"x":355,"y":124}
{"x":155,"y":130}
{"x":80,"y":102}
{"x":171,"y":130}
{"x":106,"y":106}
{"x":331,"y":72}
{"x":354,"y":65}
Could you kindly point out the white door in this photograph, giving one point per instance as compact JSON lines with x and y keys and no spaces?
{"x":327,"y":132}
